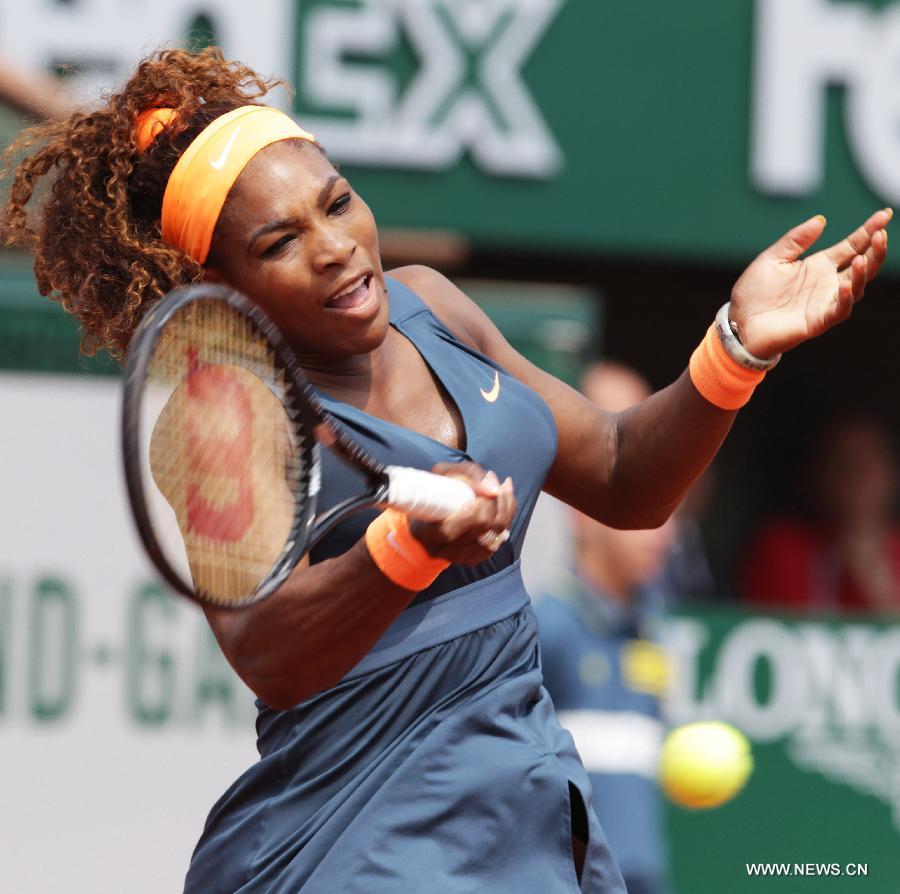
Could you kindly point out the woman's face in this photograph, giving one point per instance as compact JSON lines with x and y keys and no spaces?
{"x":296,"y":239}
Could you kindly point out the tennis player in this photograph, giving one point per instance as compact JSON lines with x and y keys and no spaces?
{"x":406,"y":742}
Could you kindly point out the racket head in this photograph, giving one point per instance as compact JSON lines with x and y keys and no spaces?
{"x":219,"y":442}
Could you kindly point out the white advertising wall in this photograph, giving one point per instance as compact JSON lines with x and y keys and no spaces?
{"x":102,"y":40}
{"x":120,"y":721}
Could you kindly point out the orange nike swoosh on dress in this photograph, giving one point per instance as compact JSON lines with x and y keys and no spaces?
{"x":494,"y":393}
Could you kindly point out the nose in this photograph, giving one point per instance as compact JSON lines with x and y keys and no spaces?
{"x":334,"y":247}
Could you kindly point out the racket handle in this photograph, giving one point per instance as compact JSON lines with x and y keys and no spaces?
{"x":424,"y":495}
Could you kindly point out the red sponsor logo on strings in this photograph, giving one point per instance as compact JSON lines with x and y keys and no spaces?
{"x":214,"y":458}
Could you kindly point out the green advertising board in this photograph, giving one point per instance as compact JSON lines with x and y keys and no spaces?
{"x":697,"y":131}
{"x":36,"y":334}
{"x":819,"y":701}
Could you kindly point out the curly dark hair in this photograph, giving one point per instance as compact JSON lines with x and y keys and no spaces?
{"x":96,"y":240}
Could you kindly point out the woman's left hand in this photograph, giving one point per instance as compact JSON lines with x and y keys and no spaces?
{"x":781,"y":300}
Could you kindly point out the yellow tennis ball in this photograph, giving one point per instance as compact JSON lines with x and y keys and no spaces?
{"x":704,"y":764}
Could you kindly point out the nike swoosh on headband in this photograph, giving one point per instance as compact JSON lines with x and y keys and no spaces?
{"x":494,"y":393}
{"x":219,"y":163}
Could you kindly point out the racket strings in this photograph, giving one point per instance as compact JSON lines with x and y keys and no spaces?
{"x":224,"y":459}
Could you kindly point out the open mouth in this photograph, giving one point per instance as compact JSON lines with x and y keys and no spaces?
{"x":355,"y":295}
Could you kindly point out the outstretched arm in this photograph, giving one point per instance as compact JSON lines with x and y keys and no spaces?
{"x":631,"y":469}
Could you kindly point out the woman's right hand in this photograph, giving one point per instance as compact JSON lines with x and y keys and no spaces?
{"x":456,"y":538}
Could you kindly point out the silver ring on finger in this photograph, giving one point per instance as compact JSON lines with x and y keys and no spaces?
{"x":493,"y":540}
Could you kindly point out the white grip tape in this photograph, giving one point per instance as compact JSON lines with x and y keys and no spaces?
{"x":426,"y":496}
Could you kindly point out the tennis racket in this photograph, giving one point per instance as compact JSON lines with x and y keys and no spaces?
{"x":222,"y":437}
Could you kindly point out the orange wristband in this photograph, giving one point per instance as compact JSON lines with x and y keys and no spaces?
{"x":719,"y":378}
{"x":397,"y":553}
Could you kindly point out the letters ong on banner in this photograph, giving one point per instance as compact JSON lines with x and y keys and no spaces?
{"x":831,"y":693}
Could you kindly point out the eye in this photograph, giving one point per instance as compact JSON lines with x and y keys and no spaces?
{"x":278,"y":245}
{"x":340,"y":204}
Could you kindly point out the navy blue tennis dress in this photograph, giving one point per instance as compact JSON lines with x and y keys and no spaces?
{"x":437,"y":764}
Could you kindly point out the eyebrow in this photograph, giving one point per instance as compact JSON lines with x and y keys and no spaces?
{"x":270,"y":227}
{"x":282,"y":222}
{"x":326,"y":189}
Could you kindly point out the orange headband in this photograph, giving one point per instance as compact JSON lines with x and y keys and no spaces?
{"x":204,"y":175}
{"x":150,"y":124}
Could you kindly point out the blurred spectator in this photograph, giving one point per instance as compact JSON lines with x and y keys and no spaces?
{"x":846,"y":555}
{"x":33,"y":93}
{"x":604,"y":668}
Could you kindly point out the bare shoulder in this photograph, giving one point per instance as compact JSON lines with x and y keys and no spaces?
{"x":459,"y":313}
